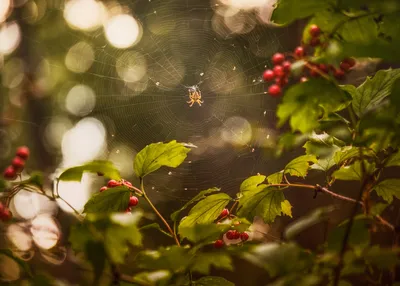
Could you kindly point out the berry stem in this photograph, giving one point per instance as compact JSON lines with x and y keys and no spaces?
{"x":233,"y":206}
{"x":158,"y":213}
{"x":307,"y":64}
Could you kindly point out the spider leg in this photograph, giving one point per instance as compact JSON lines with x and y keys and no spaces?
{"x":191,"y":104}
{"x":189,"y":101}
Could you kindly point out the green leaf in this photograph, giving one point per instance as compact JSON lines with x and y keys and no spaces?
{"x":152,"y":278}
{"x":299,"y":166}
{"x":370,"y":94}
{"x":96,"y":255}
{"x":348,"y":152}
{"x":378,"y":208}
{"x":173,"y":258}
{"x":156,"y":155}
{"x":79,"y":237}
{"x":36,"y":179}
{"x":353,"y":172}
{"x":275,"y":178}
{"x":205,"y":211}
{"x":22,"y":263}
{"x":201,"y":195}
{"x":155,"y":226}
{"x":251,"y":183}
{"x":204,"y":261}
{"x":305,"y":103}
{"x":287,"y":11}
{"x":303,"y":223}
{"x":265,"y":202}
{"x":286,"y":208}
{"x":213,"y":281}
{"x":112,"y":200}
{"x":382,"y":258}
{"x":203,"y":232}
{"x":359,"y":235}
{"x":388,"y":189}
{"x":394,"y":160}
{"x":105,"y":167}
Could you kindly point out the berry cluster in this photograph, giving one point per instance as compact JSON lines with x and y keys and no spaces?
{"x":282,"y":66}
{"x":17,"y":164}
{"x":133,"y":200}
{"x":230,"y":234}
{"x":5,"y":213}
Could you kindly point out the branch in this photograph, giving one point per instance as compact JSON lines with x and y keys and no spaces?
{"x":158,"y":213}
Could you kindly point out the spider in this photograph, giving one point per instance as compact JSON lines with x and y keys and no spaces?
{"x":194,"y":96}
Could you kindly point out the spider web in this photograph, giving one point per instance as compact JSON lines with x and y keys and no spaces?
{"x":181,"y":48}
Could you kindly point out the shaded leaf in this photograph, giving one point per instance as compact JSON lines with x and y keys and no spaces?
{"x":205,"y":211}
{"x":155,"y":226}
{"x":112,"y":200}
{"x":394,"y":160}
{"x":203,"y":232}
{"x":300,"y":165}
{"x":275,"y":178}
{"x":359,"y":235}
{"x":96,"y":255}
{"x":388,"y":189}
{"x":371,"y":93}
{"x":105,"y":167}
{"x":204,"y":261}
{"x":353,"y":172}
{"x":213,"y":281}
{"x":265,"y":202}
{"x":349,"y":152}
{"x":381,"y":257}
{"x":201,"y":195}
{"x":251,"y":183}
{"x":156,"y":155}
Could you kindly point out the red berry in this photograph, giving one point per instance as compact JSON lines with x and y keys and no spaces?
{"x":230,"y":234}
{"x":344,"y":66}
{"x":315,"y":42}
{"x":128,"y":211}
{"x":23,"y":152}
{"x":268,"y":75}
{"x":314,"y":71}
{"x":350,"y":61}
{"x":338,"y":74}
{"x":323,"y":68}
{"x":113,"y":183}
{"x":219,"y":243}
{"x":102,"y":189}
{"x":127,"y":184}
{"x":5,"y":215}
{"x":133,"y":201}
{"x":274,"y":90}
{"x":236,"y":234}
{"x":315,"y":31}
{"x":278,"y":58}
{"x":244,"y":236}
{"x":224,"y":213}
{"x":18,"y":163}
{"x":281,"y":81}
{"x":278,"y":71}
{"x":299,"y":51}
{"x":286,"y":66}
{"x":10,"y":173}
{"x":303,"y":79}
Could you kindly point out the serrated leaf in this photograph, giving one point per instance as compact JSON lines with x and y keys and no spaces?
{"x":305,"y":103}
{"x":157,"y":155}
{"x":105,"y":167}
{"x":251,"y":183}
{"x":275,"y":178}
{"x":371,"y":93}
{"x":353,"y":172}
{"x":378,"y":208}
{"x":347,"y":153}
{"x":79,"y":237}
{"x":201,"y":195}
{"x":205,"y":211}
{"x":204,"y":261}
{"x":381,"y":257}
{"x":388,"y":189}
{"x":286,"y":208}
{"x":203,"y":232}
{"x":394,"y":160}
{"x":359,"y":235}
{"x":287,"y":11}
{"x":299,"y":166}
{"x":173,"y":258}
{"x":152,"y":278}
{"x":265,"y":202}
{"x":112,"y":200}
{"x":213,"y":281}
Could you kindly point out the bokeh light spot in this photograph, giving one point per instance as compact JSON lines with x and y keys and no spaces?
{"x":45,"y":232}
{"x":80,"y":57}
{"x":10,"y":36}
{"x":122,"y":31}
{"x":80,"y":100}
{"x":85,"y":15}
{"x":131,"y":66}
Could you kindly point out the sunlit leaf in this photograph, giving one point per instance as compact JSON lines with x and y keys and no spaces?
{"x":156,"y":155}
{"x":152,"y":278}
{"x":265,"y":202}
{"x":275,"y":178}
{"x":349,"y":152}
{"x":394,"y":160}
{"x":203,"y":232}
{"x":213,"y":281}
{"x":388,"y":189}
{"x":371,"y":93}
{"x":300,"y":165}
{"x":112,"y":200}
{"x":155,"y":226}
{"x":251,"y":183}
{"x":204,"y":261}
{"x":105,"y":167}
{"x":205,"y":211}
{"x":353,"y":172}
{"x":201,"y":195}
{"x":286,"y":208}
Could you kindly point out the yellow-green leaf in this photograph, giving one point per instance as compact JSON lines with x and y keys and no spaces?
{"x":105,"y":167}
{"x":388,"y":189}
